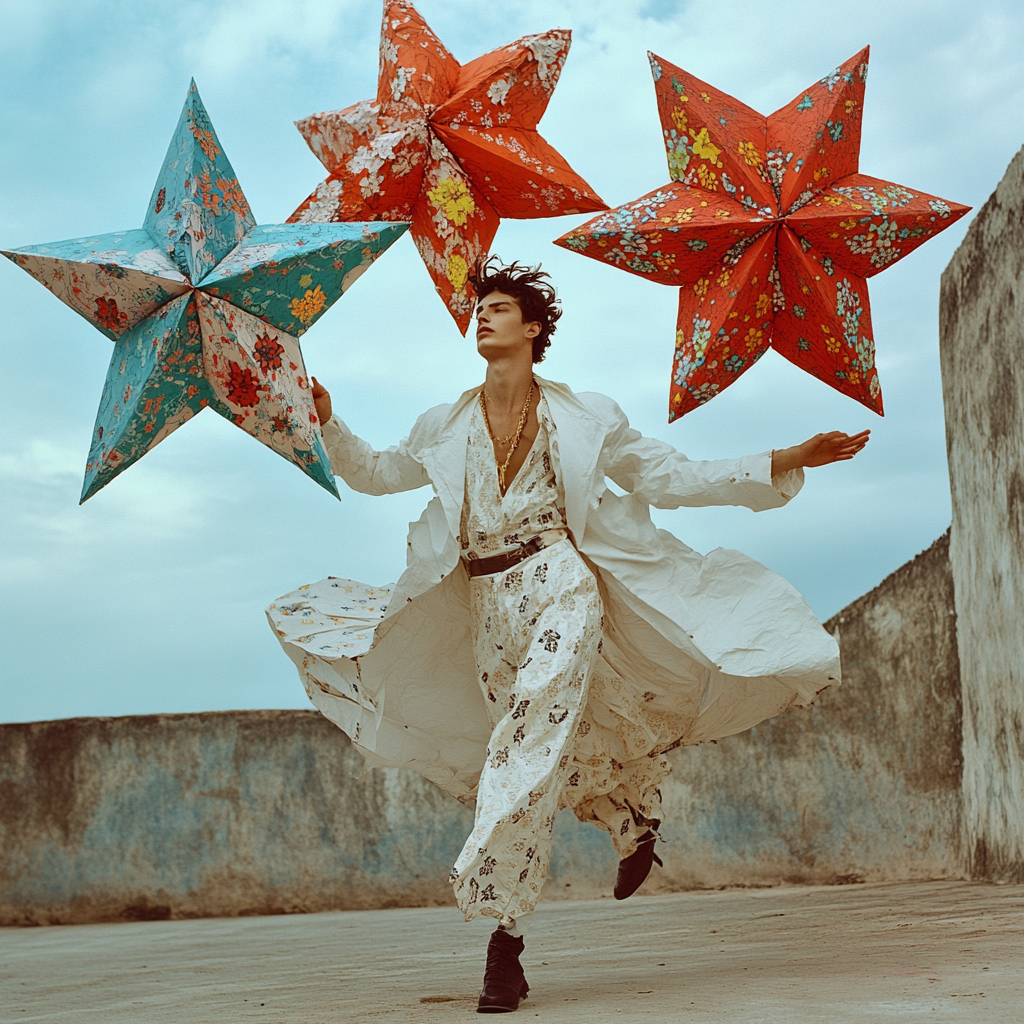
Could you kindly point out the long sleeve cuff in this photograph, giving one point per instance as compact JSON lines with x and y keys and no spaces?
{"x":788,"y":484}
{"x":336,"y":433}
{"x":333,"y":430}
{"x":758,"y":469}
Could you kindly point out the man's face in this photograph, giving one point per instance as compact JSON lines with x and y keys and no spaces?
{"x":500,"y":330}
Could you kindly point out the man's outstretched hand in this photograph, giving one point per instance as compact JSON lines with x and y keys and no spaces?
{"x":819,"y":450}
{"x":322,"y":401}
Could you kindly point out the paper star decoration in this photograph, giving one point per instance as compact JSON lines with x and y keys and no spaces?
{"x":769,"y":231}
{"x":451,"y":148}
{"x":205,"y":308}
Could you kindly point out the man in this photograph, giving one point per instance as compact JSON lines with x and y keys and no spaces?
{"x":592,"y":642}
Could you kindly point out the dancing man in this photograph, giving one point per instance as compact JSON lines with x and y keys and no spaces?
{"x":547,"y":645}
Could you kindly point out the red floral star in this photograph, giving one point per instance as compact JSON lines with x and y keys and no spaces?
{"x":451,"y":148}
{"x":769,"y":231}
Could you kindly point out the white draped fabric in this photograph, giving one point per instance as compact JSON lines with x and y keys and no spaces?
{"x":708,"y":645}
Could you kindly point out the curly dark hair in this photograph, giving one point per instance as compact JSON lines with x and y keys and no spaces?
{"x":536,"y":298}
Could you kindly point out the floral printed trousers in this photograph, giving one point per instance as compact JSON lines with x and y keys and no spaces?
{"x":537,"y":634}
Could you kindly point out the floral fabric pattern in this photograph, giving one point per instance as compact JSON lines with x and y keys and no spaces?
{"x":536,"y":632}
{"x":532,"y":504}
{"x":452,"y":148}
{"x":205,"y":308}
{"x":534,"y":644}
{"x":618,"y":758}
{"x":326,"y":621}
{"x":114,"y":281}
{"x":769,"y":232}
{"x":290,"y":274}
{"x":197,"y":213}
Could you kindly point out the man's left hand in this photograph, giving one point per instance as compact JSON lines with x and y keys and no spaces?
{"x":819,"y":450}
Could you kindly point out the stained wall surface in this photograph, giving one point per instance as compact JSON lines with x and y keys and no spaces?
{"x":251,"y":812}
{"x":262,"y":812}
{"x":981,"y":329}
{"x":864,"y":784}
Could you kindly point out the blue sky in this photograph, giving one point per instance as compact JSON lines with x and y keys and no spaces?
{"x":150,"y":597}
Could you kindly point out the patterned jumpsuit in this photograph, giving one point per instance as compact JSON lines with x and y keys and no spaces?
{"x":537,"y":640}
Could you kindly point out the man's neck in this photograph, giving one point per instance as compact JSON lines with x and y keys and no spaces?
{"x":508,"y":383}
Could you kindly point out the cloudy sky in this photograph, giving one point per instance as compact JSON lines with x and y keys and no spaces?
{"x":150,"y":597}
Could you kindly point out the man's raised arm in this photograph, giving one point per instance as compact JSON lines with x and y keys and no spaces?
{"x":360,"y":465}
{"x":666,"y":478}
{"x":819,"y":450}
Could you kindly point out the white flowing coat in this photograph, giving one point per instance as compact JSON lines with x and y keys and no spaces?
{"x":716,"y":643}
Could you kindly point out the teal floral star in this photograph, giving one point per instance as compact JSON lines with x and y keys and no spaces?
{"x":205,"y":308}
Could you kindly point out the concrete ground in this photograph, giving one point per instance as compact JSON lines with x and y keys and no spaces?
{"x":933,"y":951}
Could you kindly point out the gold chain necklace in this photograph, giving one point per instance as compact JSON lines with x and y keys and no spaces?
{"x":512,"y":439}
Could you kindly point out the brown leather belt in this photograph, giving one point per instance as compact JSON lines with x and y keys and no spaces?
{"x":499,"y":563}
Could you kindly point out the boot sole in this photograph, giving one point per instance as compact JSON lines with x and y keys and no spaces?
{"x":493,"y":1008}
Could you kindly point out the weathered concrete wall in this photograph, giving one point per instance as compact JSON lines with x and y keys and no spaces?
{"x":982,"y":349}
{"x":254,"y":812}
{"x":274,"y":812}
{"x":864,"y":784}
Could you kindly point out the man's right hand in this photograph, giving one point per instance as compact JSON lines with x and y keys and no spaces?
{"x":322,"y":401}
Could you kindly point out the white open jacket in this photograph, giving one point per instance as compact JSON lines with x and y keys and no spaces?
{"x":717,"y":639}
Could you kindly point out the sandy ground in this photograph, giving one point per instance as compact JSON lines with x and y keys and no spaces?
{"x":934,"y":951}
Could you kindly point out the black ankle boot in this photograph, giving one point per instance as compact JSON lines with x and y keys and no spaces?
{"x":504,"y":980}
{"x":635,"y":868}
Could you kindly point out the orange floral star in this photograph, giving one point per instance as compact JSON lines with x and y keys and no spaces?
{"x":769,"y":231}
{"x":452,"y":148}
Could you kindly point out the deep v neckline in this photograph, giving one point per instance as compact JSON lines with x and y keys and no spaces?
{"x":492,"y":521}
{"x":526,"y":458}
{"x":519,"y":471}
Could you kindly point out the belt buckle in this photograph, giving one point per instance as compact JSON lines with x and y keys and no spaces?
{"x":509,"y":558}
